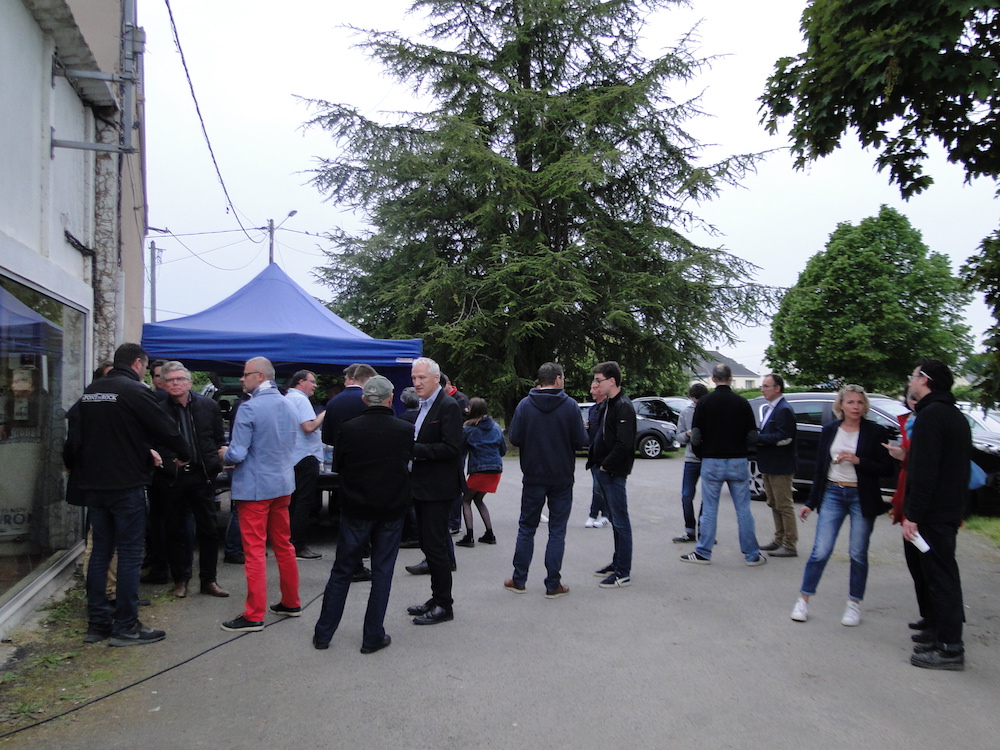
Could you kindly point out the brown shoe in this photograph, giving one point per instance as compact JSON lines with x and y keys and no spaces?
{"x":213,"y":589}
{"x":511,"y":586}
{"x":783,"y":552}
{"x":180,"y":590}
{"x":555,"y":593}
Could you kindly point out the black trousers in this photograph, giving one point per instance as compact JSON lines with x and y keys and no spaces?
{"x":303,"y":498}
{"x":435,"y":543}
{"x":944,"y":586}
{"x":190,"y":501}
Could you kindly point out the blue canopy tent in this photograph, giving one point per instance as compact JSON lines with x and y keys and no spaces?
{"x":274,"y":317}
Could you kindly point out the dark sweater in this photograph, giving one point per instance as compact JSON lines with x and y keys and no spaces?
{"x":372,"y":456}
{"x":723,"y":425}
{"x":548,"y":429}
{"x":937,"y":469}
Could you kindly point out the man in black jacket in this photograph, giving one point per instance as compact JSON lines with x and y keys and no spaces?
{"x":371,"y":457}
{"x":436,"y":478}
{"x":613,"y":453}
{"x":721,"y":434}
{"x":185,"y":487}
{"x":112,"y":431}
{"x":937,"y":482}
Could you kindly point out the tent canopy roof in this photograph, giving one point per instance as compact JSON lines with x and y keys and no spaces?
{"x":272,"y":317}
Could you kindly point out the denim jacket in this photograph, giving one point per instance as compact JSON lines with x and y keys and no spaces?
{"x":485,"y":444}
{"x":262,"y":446}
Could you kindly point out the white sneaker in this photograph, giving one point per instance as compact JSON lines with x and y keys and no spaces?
{"x":800,"y":612}
{"x":591,"y":522}
{"x":601,"y":522}
{"x":852,"y":615}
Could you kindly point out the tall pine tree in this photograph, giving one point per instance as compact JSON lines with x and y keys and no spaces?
{"x":538,"y":211}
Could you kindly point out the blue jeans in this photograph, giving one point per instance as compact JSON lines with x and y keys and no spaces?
{"x":118,"y":522}
{"x":838,"y":503}
{"x":533,"y":497}
{"x":233,"y":539}
{"x":598,"y":504}
{"x":351,"y":544}
{"x":689,"y":484}
{"x":614,"y":493}
{"x":735,"y":472}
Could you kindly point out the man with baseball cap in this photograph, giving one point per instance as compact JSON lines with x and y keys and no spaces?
{"x":372,"y":457}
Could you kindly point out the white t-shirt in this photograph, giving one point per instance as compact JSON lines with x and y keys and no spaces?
{"x":844,"y":471}
{"x":305,"y":445}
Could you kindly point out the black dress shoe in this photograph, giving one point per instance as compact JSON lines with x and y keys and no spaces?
{"x":378,"y":646}
{"x":420,"y":569}
{"x":769,"y":547}
{"x":410,"y":544}
{"x":434,"y":615}
{"x":237,"y":558}
{"x":155,"y":578}
{"x":361,"y":575}
{"x":920,"y":624}
{"x":320,"y":645}
{"x":421,"y":609}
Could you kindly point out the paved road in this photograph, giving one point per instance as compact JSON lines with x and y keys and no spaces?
{"x":688,"y":657}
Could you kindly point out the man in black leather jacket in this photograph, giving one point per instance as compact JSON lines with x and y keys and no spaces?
{"x":185,"y":487}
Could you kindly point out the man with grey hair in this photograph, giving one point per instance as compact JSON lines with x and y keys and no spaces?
{"x":260,"y":448}
{"x":185,"y":487}
{"x":776,"y":460}
{"x":436,"y":478}
{"x":371,"y":457}
{"x":722,"y":432}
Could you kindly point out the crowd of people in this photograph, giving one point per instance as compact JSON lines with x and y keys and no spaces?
{"x":402,"y":483}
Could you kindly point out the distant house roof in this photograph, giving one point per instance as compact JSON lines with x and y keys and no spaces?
{"x":704,"y":367}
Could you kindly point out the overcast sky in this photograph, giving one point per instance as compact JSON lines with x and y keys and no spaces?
{"x":250,"y":59}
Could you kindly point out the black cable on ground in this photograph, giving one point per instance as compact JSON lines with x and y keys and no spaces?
{"x":122,"y":689}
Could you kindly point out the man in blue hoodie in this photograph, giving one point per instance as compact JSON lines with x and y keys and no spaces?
{"x":548,"y":429}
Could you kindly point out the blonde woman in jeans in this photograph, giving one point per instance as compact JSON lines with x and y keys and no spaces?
{"x":849,"y":463}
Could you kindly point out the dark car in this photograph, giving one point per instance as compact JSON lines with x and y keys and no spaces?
{"x":812,"y":411}
{"x":655,"y":431}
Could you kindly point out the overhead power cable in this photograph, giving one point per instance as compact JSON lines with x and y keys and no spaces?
{"x":204,"y":130}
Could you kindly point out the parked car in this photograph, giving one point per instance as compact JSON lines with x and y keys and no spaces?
{"x":813,"y":410}
{"x":654,"y":430}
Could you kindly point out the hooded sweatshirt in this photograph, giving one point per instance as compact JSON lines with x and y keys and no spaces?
{"x":548,"y":429}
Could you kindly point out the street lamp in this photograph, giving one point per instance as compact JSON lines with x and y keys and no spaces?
{"x":270,"y":231}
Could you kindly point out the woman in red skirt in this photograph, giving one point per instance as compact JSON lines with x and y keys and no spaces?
{"x":484,"y":443}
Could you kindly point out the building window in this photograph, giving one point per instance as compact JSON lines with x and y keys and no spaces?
{"x":750,"y":384}
{"x":41,"y":375}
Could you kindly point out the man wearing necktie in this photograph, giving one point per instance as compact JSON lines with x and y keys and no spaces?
{"x":776,"y":460}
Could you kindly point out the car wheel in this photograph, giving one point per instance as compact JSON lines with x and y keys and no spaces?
{"x":650,"y":447}
{"x":756,"y":482}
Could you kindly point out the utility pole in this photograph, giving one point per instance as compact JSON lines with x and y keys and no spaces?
{"x":270,"y":248}
{"x":270,"y":232}
{"x":152,"y":281}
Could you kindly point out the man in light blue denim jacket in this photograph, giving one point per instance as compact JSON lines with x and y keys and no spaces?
{"x":261,"y":448}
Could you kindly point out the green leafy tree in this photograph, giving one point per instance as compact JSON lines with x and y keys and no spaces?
{"x":537,"y":211}
{"x":982,"y":272}
{"x":867,"y":305}
{"x":901,"y":74}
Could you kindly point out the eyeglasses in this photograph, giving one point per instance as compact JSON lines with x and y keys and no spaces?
{"x":911,"y":377}
{"x":248,"y":374}
{"x":175,"y":380}
{"x":600,"y":380}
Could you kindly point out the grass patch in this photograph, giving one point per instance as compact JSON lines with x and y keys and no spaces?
{"x":53,"y":670}
{"x":985,"y":525}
